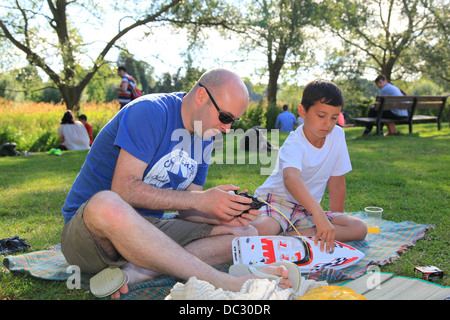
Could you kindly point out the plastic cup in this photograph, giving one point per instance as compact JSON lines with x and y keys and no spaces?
{"x":373,"y":219}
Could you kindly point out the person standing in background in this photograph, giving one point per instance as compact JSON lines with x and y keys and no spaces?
{"x":286,"y":120}
{"x":124,"y":90}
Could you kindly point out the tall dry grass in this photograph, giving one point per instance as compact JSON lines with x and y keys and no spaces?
{"x":30,"y":107}
{"x":33,"y":126}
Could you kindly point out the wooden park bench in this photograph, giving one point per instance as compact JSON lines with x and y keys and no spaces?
{"x":411,"y":103}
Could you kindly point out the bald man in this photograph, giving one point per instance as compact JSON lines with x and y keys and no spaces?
{"x":151,"y":157}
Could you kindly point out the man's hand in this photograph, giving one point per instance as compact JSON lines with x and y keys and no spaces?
{"x":227,"y":206}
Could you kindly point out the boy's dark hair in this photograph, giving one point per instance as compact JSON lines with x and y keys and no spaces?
{"x":380,"y":77}
{"x":285,"y":107}
{"x":323,"y":91}
{"x":82,"y":117}
{"x":122,"y":68}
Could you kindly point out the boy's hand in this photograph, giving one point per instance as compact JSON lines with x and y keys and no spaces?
{"x":325,"y":232}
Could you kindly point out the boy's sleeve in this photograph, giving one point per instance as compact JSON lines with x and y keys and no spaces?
{"x":291,"y":155}
{"x":343,"y":164}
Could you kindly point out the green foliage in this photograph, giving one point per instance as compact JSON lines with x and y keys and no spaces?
{"x":271,"y":114}
{"x":49,"y":95}
{"x":252,"y":117}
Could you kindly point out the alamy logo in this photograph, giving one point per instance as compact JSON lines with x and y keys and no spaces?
{"x":74,"y":280}
{"x":234,"y":147}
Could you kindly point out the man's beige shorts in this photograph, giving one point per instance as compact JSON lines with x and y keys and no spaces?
{"x":80,"y":249}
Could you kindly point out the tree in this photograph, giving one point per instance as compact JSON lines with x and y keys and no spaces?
{"x":432,"y":54}
{"x":46,"y":31}
{"x":20,"y":25}
{"x":96,"y":89}
{"x":384,"y":31}
{"x":277,"y":26}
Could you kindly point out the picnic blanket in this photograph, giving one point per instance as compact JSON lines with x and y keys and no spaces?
{"x":381,"y":249}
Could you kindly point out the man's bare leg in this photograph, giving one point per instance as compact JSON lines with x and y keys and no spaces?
{"x":213,"y":250}
{"x":118,"y":228}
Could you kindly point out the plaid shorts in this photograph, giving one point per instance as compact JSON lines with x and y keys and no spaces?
{"x":297,"y":215}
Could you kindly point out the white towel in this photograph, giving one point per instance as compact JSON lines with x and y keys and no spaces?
{"x":254,"y":289}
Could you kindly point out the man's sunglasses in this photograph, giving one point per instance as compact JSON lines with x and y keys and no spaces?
{"x":225,"y":118}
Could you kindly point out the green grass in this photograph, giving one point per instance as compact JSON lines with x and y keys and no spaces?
{"x":407,"y":175}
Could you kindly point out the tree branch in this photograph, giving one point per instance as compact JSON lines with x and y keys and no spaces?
{"x":32,"y":57}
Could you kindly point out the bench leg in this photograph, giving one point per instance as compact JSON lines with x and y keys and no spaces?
{"x":379,"y":129}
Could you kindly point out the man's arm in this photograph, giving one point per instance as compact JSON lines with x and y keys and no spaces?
{"x":127,"y":182}
{"x":123,"y":87}
{"x":337,"y":192}
{"x":297,"y":188}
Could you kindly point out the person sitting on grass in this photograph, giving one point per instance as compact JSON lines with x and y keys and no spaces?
{"x":83,"y":119}
{"x":313,"y":157}
{"x":72,"y":134}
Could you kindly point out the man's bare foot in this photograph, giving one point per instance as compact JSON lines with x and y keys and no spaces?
{"x":134,"y":275}
{"x":279,"y":271}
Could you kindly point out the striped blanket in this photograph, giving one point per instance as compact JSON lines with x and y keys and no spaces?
{"x":381,"y":249}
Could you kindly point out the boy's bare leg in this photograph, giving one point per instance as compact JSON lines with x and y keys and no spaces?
{"x":266,"y":226}
{"x":391,"y":128}
{"x":346,"y":229}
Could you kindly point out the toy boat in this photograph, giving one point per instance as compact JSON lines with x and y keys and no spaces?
{"x":260,"y":250}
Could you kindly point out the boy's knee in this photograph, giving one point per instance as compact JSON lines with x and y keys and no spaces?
{"x":267,"y":226}
{"x":248,"y":231}
{"x":360,"y":229}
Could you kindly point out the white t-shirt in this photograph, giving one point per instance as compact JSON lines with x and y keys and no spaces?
{"x":317,"y":165}
{"x":75,"y":136}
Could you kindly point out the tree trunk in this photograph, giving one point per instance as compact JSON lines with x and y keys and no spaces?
{"x":71,"y":96}
{"x":272,"y":87}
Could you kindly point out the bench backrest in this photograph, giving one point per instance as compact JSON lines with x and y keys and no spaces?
{"x":411,"y":102}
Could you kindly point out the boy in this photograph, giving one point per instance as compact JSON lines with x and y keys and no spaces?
{"x":313,"y":157}
{"x":83,"y":119}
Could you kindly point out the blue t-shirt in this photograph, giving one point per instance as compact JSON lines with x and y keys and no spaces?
{"x":151,"y":129}
{"x":391,"y":90}
{"x":287,"y":121}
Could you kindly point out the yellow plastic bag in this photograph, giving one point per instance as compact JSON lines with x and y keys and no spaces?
{"x":332,"y":293}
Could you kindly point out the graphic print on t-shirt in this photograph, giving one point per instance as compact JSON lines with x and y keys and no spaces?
{"x":175,"y":170}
